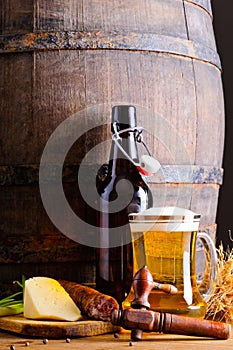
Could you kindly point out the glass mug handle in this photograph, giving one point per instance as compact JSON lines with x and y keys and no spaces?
{"x":207,"y":283}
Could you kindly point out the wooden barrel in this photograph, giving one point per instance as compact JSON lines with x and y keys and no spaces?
{"x":60,"y":57}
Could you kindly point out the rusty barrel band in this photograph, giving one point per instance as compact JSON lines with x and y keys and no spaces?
{"x":79,"y":40}
{"x":195,"y":174}
{"x":204,"y":4}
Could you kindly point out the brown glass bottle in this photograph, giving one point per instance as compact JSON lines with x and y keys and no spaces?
{"x":114,"y":258}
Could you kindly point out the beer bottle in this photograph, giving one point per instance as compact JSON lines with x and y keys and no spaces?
{"x":122,"y":190}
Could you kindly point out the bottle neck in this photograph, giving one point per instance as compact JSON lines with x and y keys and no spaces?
{"x":118,"y":161}
{"x":124,"y":117}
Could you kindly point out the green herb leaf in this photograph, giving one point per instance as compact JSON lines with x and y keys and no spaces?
{"x":9,"y":305}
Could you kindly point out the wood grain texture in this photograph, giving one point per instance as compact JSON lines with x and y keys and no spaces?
{"x":55,"y":329}
{"x":107,"y":341}
{"x":97,"y":77}
{"x":173,"y":78}
{"x":199,"y":25}
{"x":205,"y":4}
{"x":33,"y":15}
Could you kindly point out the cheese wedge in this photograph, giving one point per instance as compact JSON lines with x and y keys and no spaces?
{"x":45,"y":298}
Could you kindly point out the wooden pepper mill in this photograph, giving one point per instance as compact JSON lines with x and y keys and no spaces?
{"x":139,"y":318}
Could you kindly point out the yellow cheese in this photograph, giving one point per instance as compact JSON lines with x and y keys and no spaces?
{"x":45,"y":298}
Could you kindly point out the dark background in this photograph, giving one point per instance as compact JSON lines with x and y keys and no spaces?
{"x":223,"y":27}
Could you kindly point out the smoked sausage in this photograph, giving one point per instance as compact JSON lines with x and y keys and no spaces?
{"x":91,"y":303}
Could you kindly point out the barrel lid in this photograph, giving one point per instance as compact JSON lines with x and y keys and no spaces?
{"x":165,"y":214}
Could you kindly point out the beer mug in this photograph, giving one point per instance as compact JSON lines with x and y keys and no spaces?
{"x":164,"y":239}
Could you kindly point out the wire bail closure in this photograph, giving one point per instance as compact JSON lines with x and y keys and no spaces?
{"x":148,"y":165}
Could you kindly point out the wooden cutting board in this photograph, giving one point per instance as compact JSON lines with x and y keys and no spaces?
{"x":55,"y":329}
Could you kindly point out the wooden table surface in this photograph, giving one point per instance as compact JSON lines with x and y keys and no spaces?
{"x":109,"y":342}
